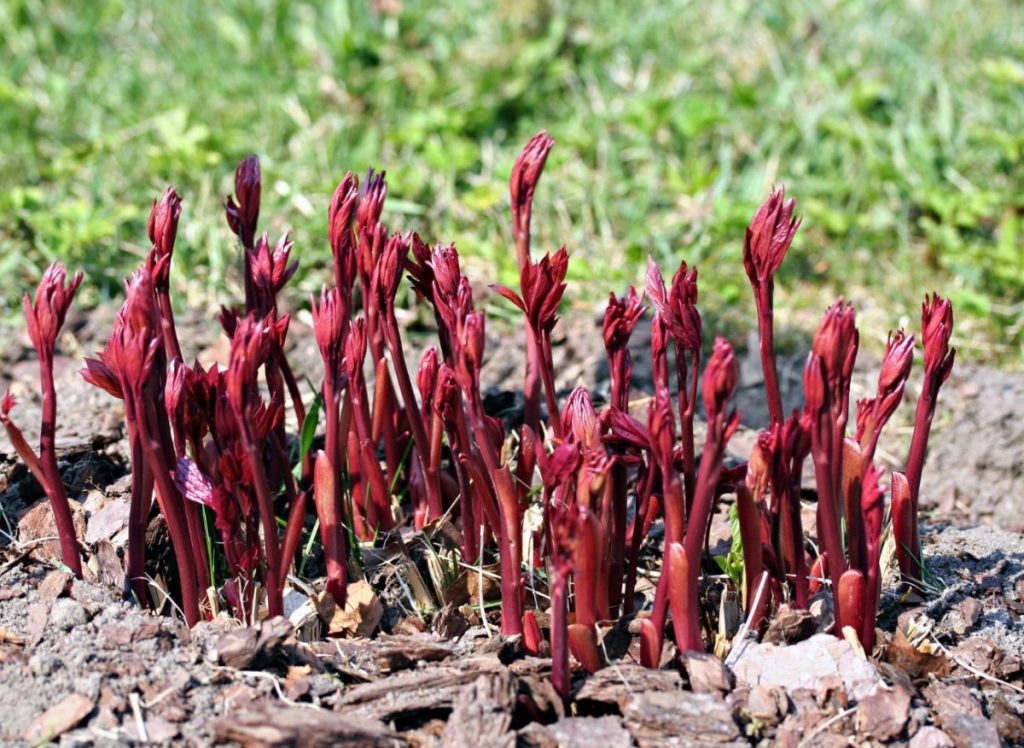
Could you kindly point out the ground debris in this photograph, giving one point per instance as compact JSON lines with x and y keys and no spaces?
{"x":621,"y":684}
{"x":818,"y":661}
{"x":884,"y":713}
{"x":681,"y":719}
{"x":577,"y":732}
{"x":791,"y":626}
{"x":274,"y":725}
{"x":483,"y":713}
{"x":411,"y":695}
{"x":917,"y":662}
{"x":59,"y":718}
{"x":266,"y":642}
{"x":707,"y":673}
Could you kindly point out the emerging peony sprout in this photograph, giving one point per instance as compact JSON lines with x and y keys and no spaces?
{"x":45,"y":318}
{"x":767,"y":240}
{"x":936,"y":330}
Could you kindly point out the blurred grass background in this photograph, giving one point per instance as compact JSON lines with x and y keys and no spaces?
{"x":898,"y":126}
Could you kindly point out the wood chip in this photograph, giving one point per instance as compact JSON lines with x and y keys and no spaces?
{"x":9,"y":637}
{"x":244,"y":647}
{"x":707,"y":673}
{"x":111,"y":570}
{"x":618,"y":685}
{"x":53,"y":586}
{"x":433,"y":689}
{"x":59,"y":718}
{"x":883,"y":714}
{"x":577,"y":732}
{"x":36,"y":616}
{"x":483,"y":713}
{"x":273,"y":725}
{"x":681,"y":719}
{"x":947,"y":699}
{"x":790,"y":626}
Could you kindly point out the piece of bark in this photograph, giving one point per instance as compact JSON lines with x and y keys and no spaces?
{"x":483,"y":714}
{"x":576,"y":732}
{"x":158,"y":730}
{"x":681,"y":719}
{"x":981,"y":653}
{"x":618,"y":685}
{"x":884,"y":713}
{"x":395,"y":653}
{"x":38,"y":524}
{"x":790,"y":626}
{"x":272,"y":725}
{"x":53,"y":586}
{"x":971,"y":731}
{"x":930,"y":737}
{"x":36,"y":616}
{"x":449,"y":623}
{"x":764,"y":706}
{"x":107,"y":521}
{"x":1007,"y":720}
{"x":707,"y":673}
{"x":426,"y":690}
{"x":360,"y":616}
{"x":111,"y":570}
{"x":965,"y":614}
{"x":948,"y":699}
{"x":59,"y":718}
{"x":244,"y":647}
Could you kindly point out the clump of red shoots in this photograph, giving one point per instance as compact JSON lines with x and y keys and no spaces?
{"x":419,"y":448}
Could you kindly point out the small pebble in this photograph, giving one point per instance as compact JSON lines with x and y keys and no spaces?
{"x":67,"y":613}
{"x":44,"y":663}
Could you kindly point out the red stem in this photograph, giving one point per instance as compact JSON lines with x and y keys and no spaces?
{"x":766,"y":335}
{"x":54,"y":483}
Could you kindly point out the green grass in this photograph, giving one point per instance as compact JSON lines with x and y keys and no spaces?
{"x":898,"y":126}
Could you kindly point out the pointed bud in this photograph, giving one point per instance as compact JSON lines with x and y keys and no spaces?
{"x":661,"y":427}
{"x":542,"y":285}
{"x":426,"y":374}
{"x":340,"y":214}
{"x":355,"y":349}
{"x":387,"y":272}
{"x":163,"y":228}
{"x":620,"y":317}
{"x":720,"y":377}
{"x":896,"y":363}
{"x":244,"y":214}
{"x":579,"y":419}
{"x":269,"y":271}
{"x":250,"y":347}
{"x":46,"y":316}
{"x":523,"y":182}
{"x":330,"y":319}
{"x":678,"y":306}
{"x":936,"y":330}
{"x":371,"y":201}
{"x":836,"y":343}
{"x":768,"y":237}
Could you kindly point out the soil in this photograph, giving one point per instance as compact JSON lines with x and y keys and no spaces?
{"x":79,"y":665}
